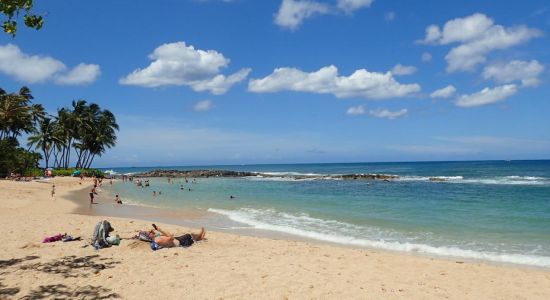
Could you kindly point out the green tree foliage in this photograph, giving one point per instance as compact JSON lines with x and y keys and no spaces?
{"x":14,"y":159}
{"x":84,"y":129}
{"x":12,"y":9}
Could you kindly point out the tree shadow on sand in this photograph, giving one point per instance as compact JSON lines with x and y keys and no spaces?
{"x":61,"y":291}
{"x":72,"y":266}
{"x":5,"y":291}
{"x":15,"y":261}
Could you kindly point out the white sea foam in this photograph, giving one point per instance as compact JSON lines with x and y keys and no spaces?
{"x":349,"y":234}
{"x":283,"y":174}
{"x":276,"y":178}
{"x":504,"y":180}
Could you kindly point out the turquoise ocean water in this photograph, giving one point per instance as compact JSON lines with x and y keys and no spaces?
{"x":491,"y":210}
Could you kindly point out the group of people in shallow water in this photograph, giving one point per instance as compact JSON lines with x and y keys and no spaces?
{"x":138,"y":182}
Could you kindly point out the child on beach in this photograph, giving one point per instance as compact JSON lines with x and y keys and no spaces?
{"x":117,"y":200}
{"x":53,"y":190}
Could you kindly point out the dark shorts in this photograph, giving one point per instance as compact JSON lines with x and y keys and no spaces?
{"x":185,"y":240}
{"x":91,"y":195}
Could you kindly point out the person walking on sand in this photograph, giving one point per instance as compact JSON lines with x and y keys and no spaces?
{"x":53,"y":190}
{"x":93,"y":192}
{"x":167,"y":240}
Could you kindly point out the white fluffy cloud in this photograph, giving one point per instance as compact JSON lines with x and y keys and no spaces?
{"x":81,"y":74}
{"x":400,"y":69}
{"x":180,"y":64}
{"x":361,"y":83}
{"x":350,"y":6}
{"x":202,"y":106}
{"x":292,"y":13}
{"x":477,"y":36}
{"x":356,"y":110}
{"x":36,"y":68}
{"x":487,"y":96}
{"x":445,"y":92}
{"x":526,"y":72}
{"x":384,"y":113}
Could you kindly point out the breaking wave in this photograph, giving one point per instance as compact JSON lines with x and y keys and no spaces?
{"x":354,"y":235}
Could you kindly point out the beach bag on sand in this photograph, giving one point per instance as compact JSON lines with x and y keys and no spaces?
{"x":100,"y":235}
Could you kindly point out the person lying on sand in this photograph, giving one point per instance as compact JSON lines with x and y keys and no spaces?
{"x":167,"y":240}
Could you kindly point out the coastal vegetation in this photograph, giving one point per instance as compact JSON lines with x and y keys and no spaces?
{"x":83,"y":129}
{"x":11,"y":9}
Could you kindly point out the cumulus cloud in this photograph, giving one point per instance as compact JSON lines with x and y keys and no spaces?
{"x":202,"y":106}
{"x":81,"y":74}
{"x":477,"y":36}
{"x":220,"y":84}
{"x":526,"y":72}
{"x":292,"y":13}
{"x":180,"y":64}
{"x":445,"y":92}
{"x":356,"y":110}
{"x":400,"y":69}
{"x":350,"y":6}
{"x":36,"y":68}
{"x":487,"y":96}
{"x":361,"y":83}
{"x":426,"y":57}
{"x":384,"y":113}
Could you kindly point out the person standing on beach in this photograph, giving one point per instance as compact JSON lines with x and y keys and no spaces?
{"x":53,"y":190}
{"x":117,"y":200}
{"x":92,"y":193}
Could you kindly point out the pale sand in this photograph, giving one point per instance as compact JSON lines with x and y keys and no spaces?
{"x":225,"y":266}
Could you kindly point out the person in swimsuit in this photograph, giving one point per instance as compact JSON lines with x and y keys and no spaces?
{"x":167,"y":240}
{"x":92,"y":193}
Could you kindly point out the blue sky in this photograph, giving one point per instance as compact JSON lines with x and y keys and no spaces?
{"x":243,"y":81}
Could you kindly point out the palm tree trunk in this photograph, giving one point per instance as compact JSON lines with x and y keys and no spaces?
{"x":91,"y":160}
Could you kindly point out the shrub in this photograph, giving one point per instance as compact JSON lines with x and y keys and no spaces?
{"x":85,"y":172}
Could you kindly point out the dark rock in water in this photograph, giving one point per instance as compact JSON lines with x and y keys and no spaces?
{"x":195,"y":173}
{"x":227,"y":173}
{"x":369,"y":177}
{"x":437,"y":179}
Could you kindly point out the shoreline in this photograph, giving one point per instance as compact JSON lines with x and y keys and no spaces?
{"x":189,"y":217}
{"x":226,"y":265}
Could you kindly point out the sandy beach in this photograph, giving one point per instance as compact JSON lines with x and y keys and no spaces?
{"x":225,"y":266}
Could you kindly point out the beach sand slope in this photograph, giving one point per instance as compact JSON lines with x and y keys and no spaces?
{"x":225,"y":266}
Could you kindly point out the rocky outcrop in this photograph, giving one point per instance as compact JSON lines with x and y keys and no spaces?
{"x":227,"y":173}
{"x":369,"y":177}
{"x":195,"y":173}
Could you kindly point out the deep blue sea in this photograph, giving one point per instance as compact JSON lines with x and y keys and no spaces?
{"x":490,"y":210}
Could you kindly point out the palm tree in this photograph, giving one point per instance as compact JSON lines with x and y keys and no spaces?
{"x":43,"y":139}
{"x":104,"y":136}
{"x":17,"y":115}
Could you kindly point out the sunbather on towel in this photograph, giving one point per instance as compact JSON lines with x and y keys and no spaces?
{"x":167,"y":240}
